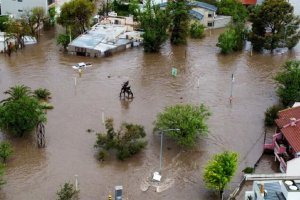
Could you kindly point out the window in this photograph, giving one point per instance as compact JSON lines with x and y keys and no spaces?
{"x":20,"y":0}
{"x":210,"y":24}
{"x":20,"y":10}
{"x":210,"y":15}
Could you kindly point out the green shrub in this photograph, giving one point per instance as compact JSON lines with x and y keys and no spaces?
{"x":248,"y":170}
{"x":271,"y":114}
{"x":42,"y":93}
{"x":67,"y":192}
{"x":5,"y":150}
{"x":197,"y":30}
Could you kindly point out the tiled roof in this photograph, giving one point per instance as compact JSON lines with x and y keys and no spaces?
{"x":291,"y":133}
{"x":249,"y":2}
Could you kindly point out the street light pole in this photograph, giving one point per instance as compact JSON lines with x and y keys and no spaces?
{"x":161,"y":144}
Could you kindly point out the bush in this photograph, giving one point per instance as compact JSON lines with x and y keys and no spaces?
{"x":190,"y":121}
{"x":271,"y":114}
{"x":248,"y":170}
{"x":197,"y":30}
{"x":42,"y":94}
{"x":67,"y":192}
{"x":5,"y":150}
{"x":127,"y":141}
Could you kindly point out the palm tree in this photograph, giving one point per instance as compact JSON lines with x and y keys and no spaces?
{"x":16,"y":92}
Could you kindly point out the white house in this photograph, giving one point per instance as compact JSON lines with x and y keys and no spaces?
{"x":18,"y":7}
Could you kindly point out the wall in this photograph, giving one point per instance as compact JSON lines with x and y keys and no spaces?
{"x":221,"y":21}
{"x":19,"y":7}
{"x":293,"y":167}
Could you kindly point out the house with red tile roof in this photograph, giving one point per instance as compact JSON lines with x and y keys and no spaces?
{"x":286,"y":140}
{"x":249,"y":2}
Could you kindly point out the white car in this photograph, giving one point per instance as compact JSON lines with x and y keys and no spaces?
{"x":81,"y":65}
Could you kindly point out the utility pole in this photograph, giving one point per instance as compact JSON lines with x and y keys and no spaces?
{"x":232,"y":80}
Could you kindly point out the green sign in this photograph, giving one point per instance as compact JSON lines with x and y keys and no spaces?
{"x":174,"y":71}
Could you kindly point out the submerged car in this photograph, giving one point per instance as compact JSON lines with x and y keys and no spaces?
{"x":81,"y":65}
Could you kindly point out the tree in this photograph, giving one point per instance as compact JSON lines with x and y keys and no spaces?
{"x":35,"y":19}
{"x":42,"y":94}
{"x":128,"y":141}
{"x":21,"y":116}
{"x":219,"y":171}
{"x":179,"y":12}
{"x":64,"y":40}
{"x":274,"y":25}
{"x":21,"y":111}
{"x":191,"y":120}
{"x":76,"y":14}
{"x":67,"y":192}
{"x":16,"y":92}
{"x":5,"y":150}
{"x":3,"y":22}
{"x":197,"y":30}
{"x":232,"y":39}
{"x":271,"y":114}
{"x":233,"y":8}
{"x":288,"y":82}
{"x":154,"y":23}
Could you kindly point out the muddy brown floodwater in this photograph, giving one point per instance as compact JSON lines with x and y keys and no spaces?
{"x":204,"y":76}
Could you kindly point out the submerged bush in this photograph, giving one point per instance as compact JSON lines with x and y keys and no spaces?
{"x":197,"y":30}
{"x":271,"y":114}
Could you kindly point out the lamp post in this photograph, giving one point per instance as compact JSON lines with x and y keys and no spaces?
{"x":156,"y":175}
{"x":161,"y":143}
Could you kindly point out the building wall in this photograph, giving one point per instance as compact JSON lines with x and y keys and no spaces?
{"x":221,"y":21}
{"x":293,"y":167}
{"x":19,"y":7}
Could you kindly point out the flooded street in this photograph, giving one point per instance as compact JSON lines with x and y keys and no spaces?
{"x":204,"y":76}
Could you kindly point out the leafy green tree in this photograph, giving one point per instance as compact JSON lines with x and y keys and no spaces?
{"x":219,"y":171}
{"x":76,"y":14}
{"x":274,"y":25}
{"x":128,"y":141}
{"x":16,"y":92}
{"x":3,"y":21}
{"x":233,"y":8}
{"x":42,"y":94}
{"x":21,"y":111}
{"x":21,"y":116}
{"x":35,"y":20}
{"x":154,"y":23}
{"x":189,"y":119}
{"x":63,"y":39}
{"x":5,"y":150}
{"x":232,"y":39}
{"x":67,"y":192}
{"x":197,"y":30}
{"x":179,"y":12}
{"x":288,"y":82}
{"x":271,"y":114}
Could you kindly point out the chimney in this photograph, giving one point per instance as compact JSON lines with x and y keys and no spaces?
{"x":293,"y":121}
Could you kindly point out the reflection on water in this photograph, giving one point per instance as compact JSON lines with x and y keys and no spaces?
{"x":204,"y":76}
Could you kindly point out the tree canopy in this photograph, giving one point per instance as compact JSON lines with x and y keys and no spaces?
{"x":219,"y":171}
{"x":154,"y":22}
{"x":179,"y":13}
{"x":21,"y":111}
{"x":128,"y":140}
{"x":233,"y":8}
{"x":76,"y":14}
{"x":189,"y":119}
{"x":288,"y":82}
{"x":274,"y":25}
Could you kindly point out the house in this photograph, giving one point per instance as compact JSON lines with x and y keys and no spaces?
{"x":274,"y":190}
{"x":17,"y":8}
{"x":105,"y":38}
{"x":206,"y":14}
{"x":286,"y":140}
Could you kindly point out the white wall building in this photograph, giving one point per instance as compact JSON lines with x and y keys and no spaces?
{"x":19,"y":7}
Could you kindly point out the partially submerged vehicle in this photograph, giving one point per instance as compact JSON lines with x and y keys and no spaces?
{"x":81,"y":65}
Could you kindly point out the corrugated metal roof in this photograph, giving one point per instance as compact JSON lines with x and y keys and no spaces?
{"x":291,"y":133}
{"x":196,"y":4}
{"x":196,"y":14}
